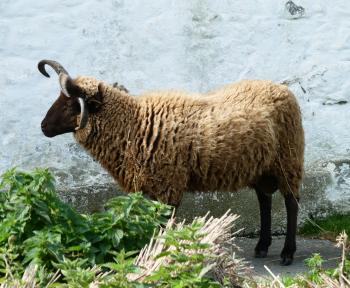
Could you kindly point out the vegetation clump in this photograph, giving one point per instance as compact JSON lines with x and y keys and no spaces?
{"x":46,"y":243}
{"x":134,"y":243}
{"x":36,"y":227}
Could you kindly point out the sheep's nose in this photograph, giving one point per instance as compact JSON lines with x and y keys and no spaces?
{"x":43,"y":125}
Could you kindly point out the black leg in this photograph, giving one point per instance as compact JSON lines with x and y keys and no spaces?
{"x":289,"y":245}
{"x":262,"y":247}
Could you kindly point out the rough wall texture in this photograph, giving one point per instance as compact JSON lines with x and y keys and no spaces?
{"x":192,"y":45}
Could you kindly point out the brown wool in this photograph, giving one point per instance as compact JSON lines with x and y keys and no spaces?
{"x":167,"y":142}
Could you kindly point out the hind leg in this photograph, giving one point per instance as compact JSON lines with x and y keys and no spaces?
{"x":265,"y":187}
{"x":289,"y":185}
{"x":291,"y":203}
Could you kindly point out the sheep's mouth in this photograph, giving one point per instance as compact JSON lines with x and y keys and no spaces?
{"x":52,"y":131}
{"x":48,"y":133}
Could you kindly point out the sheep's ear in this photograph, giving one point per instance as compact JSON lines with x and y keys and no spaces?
{"x":94,"y":103}
{"x":120,"y":87}
{"x":71,"y":89}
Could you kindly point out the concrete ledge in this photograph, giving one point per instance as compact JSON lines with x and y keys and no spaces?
{"x":314,"y":203}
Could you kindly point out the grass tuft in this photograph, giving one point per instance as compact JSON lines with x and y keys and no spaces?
{"x":327,"y":228}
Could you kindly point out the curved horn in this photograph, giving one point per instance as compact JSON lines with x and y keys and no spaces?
{"x":64,"y":79}
{"x":53,"y":64}
{"x":84,"y":114}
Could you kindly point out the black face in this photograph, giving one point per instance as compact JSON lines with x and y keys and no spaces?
{"x":61,"y":117}
{"x":73,"y":101}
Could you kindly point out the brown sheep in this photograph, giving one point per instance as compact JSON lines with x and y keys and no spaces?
{"x":168,"y":142}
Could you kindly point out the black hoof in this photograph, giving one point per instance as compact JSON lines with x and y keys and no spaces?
{"x":286,"y":261}
{"x":260,"y":254}
{"x":287,"y":256}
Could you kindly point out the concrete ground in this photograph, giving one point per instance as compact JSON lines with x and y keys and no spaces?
{"x":305,"y":248}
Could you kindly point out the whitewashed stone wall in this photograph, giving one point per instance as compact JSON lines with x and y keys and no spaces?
{"x":194,"y":45}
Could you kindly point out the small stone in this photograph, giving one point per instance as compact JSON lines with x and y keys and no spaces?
{"x":334,"y":102}
{"x":294,"y":10}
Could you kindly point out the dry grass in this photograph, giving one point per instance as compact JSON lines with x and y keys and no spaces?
{"x":218,"y":236}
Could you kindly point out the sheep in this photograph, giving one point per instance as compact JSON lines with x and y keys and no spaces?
{"x":163,"y":143}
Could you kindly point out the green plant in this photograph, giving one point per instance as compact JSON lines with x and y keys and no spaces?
{"x":314,"y":263}
{"x":328,"y":227}
{"x":36,"y":227}
{"x":317,"y":276}
{"x":187,"y":260}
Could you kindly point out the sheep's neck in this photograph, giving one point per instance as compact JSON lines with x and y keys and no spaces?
{"x":109,"y":132}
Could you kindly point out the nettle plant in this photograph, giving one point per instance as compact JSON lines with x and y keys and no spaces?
{"x":36,"y":227}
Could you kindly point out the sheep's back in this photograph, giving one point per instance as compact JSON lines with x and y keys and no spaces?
{"x":213,"y":142}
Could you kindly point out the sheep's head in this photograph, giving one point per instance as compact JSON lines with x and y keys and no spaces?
{"x":78,"y":98}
